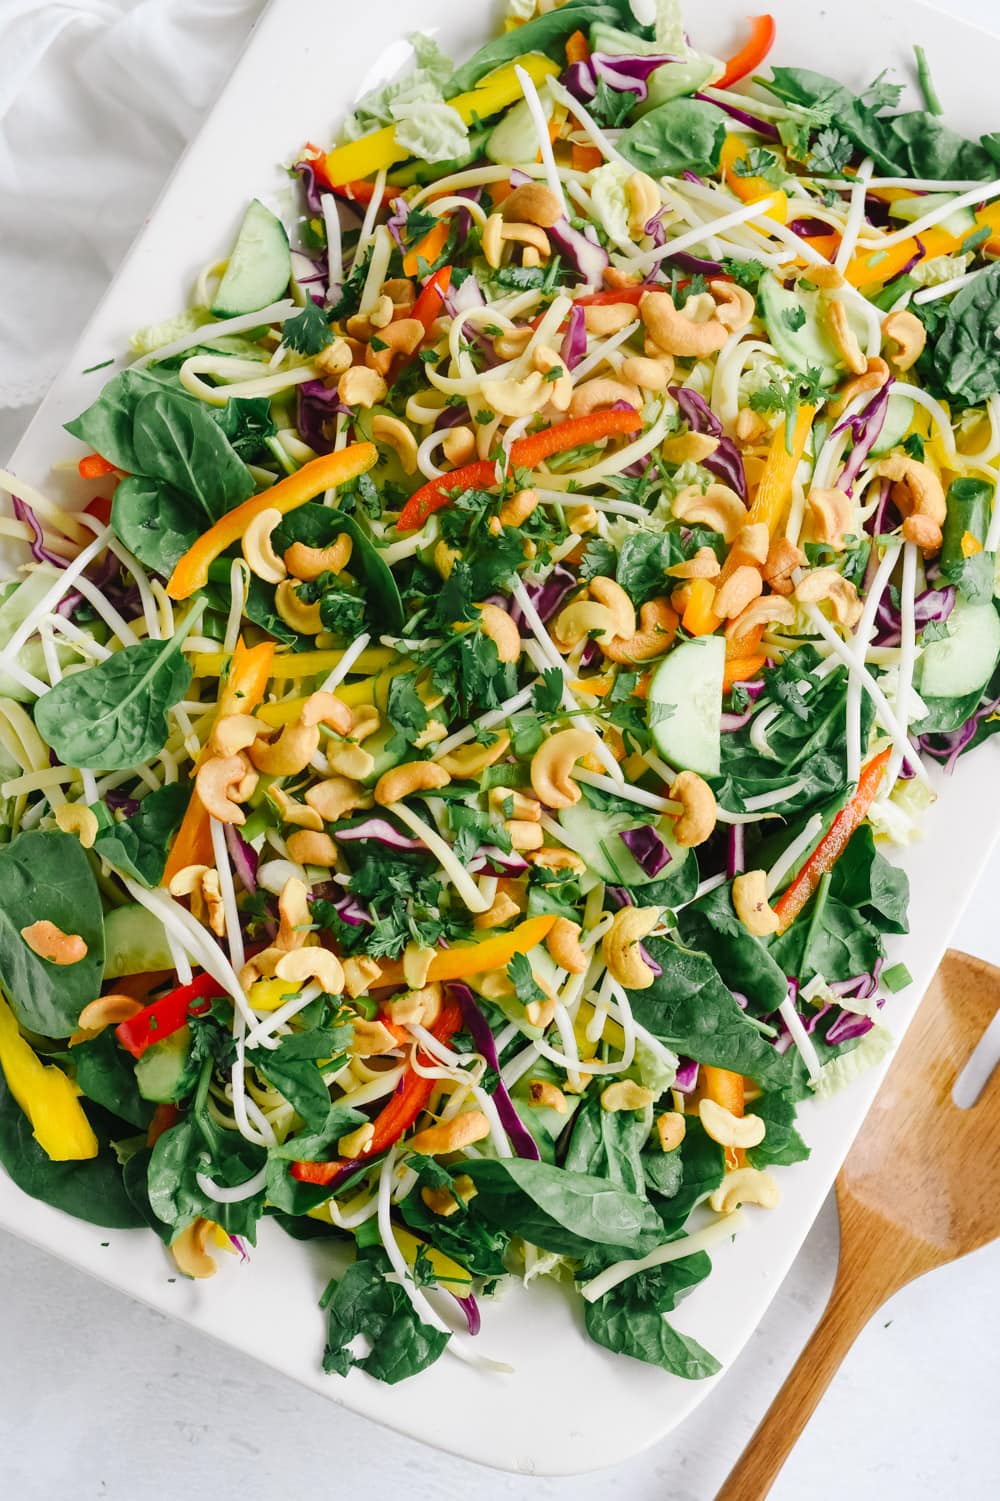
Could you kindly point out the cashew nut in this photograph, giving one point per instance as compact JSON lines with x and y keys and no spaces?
{"x":676,"y":332}
{"x":516,"y":510}
{"x":517,"y":232}
{"x":671,"y":1129}
{"x":502,"y":631}
{"x":718,"y":507}
{"x":469,"y":760}
{"x":78,"y":819}
{"x":524,"y":835}
{"x":397,"y":436}
{"x":697,"y":821}
{"x":552,"y":857}
{"x":832,"y":516}
{"x":829,"y":586}
{"x":221,"y":784}
{"x":107,"y":1011}
{"x":603,"y":392}
{"x":189,"y":1253}
{"x":326,"y":708}
{"x":293,"y":911}
{"x":360,"y":974}
{"x":703,"y":565}
{"x":201,"y":884}
{"x":626,"y":1094}
{"x":582,"y":618}
{"x":648,"y":375}
{"x":740,"y":589}
{"x":608,"y":317}
{"x":545,"y":1095}
{"x":459,"y":445}
{"x":305,"y":619}
{"x":312,"y":963}
{"x":749,"y":427}
{"x":503,"y":909}
{"x":549,"y":362}
{"x":918,"y":495}
{"x":334,"y":359}
{"x":552,"y":766}
{"x":310,"y":847}
{"x":875,"y":375}
{"x":770,"y":610}
{"x":448,"y":1136}
{"x":657,"y":628}
{"x":334,"y":798}
{"x":307,"y":563}
{"x":621,"y":947}
{"x":846,"y":339}
{"x":583,"y":519}
{"x":421,"y":1006}
{"x":532,"y":203}
{"x":748,"y":1185}
{"x":512,"y":342}
{"x":751,"y":904}
{"x":517,"y":396}
{"x":349,"y":760}
{"x":642,"y":198}
{"x":403,"y":337}
{"x":361,"y":387}
{"x":752,"y":544}
{"x":289,"y":754}
{"x":614,"y":598}
{"x":734,"y":306}
{"x":233,"y":733}
{"x":731,"y":1130}
{"x":563,"y":943}
{"x":907,"y":332}
{"x":258,"y":549}
{"x":783,"y":558}
{"x":291,"y":811}
{"x":370,"y":1039}
{"x":413,"y":776}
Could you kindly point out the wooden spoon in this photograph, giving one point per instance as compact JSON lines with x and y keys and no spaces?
{"x":920,"y":1187}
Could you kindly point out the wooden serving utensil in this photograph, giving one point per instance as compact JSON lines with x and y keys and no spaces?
{"x":920,"y":1187}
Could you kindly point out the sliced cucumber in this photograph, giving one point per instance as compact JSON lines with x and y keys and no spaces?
{"x":135,"y":943}
{"x":898,"y":421}
{"x":260,"y":265}
{"x":809,"y":346}
{"x":596,"y":836}
{"x":961,"y":222}
{"x":685,"y":705}
{"x":964,"y":661}
{"x":161,"y":1072}
{"x":514,"y":139}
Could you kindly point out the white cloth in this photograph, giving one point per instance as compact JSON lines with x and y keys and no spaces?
{"x":97,"y":100}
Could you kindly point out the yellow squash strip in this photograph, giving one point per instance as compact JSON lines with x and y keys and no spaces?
{"x":48,"y":1097}
{"x":361,"y":158}
{"x":775,"y":489}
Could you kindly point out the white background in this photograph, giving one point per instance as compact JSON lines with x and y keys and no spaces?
{"x":101,"y":1398}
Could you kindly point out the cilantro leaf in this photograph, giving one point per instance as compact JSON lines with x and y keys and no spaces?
{"x":830,"y":152}
{"x":308,"y":332}
{"x":521,"y":977}
{"x":546,"y":696}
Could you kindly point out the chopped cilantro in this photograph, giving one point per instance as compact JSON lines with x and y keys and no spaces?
{"x":308,"y":332}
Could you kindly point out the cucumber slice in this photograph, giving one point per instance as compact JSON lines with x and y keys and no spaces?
{"x":260,"y":265}
{"x":809,"y":346}
{"x":685,"y":705}
{"x":961,"y":222}
{"x":514,"y":139}
{"x":135,"y":943}
{"x":595,"y":835}
{"x":161,"y":1072}
{"x":964,"y":661}
{"x":898,"y":421}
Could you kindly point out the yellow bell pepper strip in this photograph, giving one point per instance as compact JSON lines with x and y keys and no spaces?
{"x":381,"y":149}
{"x":775,"y":489}
{"x":48,"y":1097}
{"x":750,"y":189}
{"x":834,"y":842}
{"x":300,"y":664}
{"x":364,"y":691}
{"x":869,"y":267}
{"x":473,"y":959}
{"x":699,"y":618}
{"x":323,"y":473}
{"x":240,"y":693}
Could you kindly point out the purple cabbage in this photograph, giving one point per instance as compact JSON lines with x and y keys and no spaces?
{"x":478,"y":1028}
{"x":574,"y":343}
{"x":806,"y":229}
{"x":648,"y":959}
{"x":694,"y":264}
{"x":450,"y":417}
{"x":351,"y":911}
{"x":736,"y":860}
{"x":948,"y":747}
{"x":625,"y":74}
{"x":243,"y":857}
{"x":497,"y":862}
{"x":396,"y":223}
{"x":318,"y":404}
{"x":469,"y":1306}
{"x":646,"y":848}
{"x":382,"y":831}
{"x":762,"y":127}
{"x":931,"y":605}
{"x":547,"y":597}
{"x":306,"y":172}
{"x":120,"y":802}
{"x":620,"y":895}
{"x":39,"y":551}
{"x":732,"y":722}
{"x":725,"y":463}
{"x":587,"y":258}
{"x":865,"y":429}
{"x":687,"y":1075}
{"x":847,"y":1026}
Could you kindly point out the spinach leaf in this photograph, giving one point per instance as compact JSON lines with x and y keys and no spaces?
{"x":246,"y":422}
{"x":631,"y":1319}
{"x":782,"y":1144}
{"x":362,"y":1301}
{"x":969,"y":505}
{"x":703,"y":1163}
{"x":292,"y":1068}
{"x":962,"y":358}
{"x":681,"y":135}
{"x":460,"y":1235}
{"x":47,"y":876}
{"x":319,"y":526}
{"x":135,"y":1176}
{"x":176,"y":440}
{"x":138,"y":846}
{"x":606,"y":1144}
{"x":196,"y":1144}
{"x":113,"y":716}
{"x":106,"y":1074}
{"x":866,"y":881}
{"x":689,"y":1008}
{"x":155,"y":521}
{"x":711,"y":925}
{"x":560,"y":1211}
{"x":663,"y":1171}
{"x":545,"y":33}
{"x":107,"y":423}
{"x":91,"y":1190}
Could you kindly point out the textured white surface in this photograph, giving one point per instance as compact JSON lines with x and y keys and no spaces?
{"x":99,"y":1397}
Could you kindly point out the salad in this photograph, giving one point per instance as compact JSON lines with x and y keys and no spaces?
{"x":447,"y":765}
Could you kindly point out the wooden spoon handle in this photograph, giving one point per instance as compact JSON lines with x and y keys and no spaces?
{"x":754,"y":1473}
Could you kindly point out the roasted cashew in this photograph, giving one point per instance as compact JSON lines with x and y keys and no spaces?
{"x":703,"y":565}
{"x":532,"y":203}
{"x":532,"y":236}
{"x":846,"y":339}
{"x":875,"y":375}
{"x":107,"y":1011}
{"x":545,"y":1095}
{"x":189,"y":1253}
{"x":829,"y":586}
{"x":516,"y":510}
{"x":621,"y":947}
{"x":512,"y":342}
{"x":734,"y":306}
{"x":293,"y":912}
{"x":334,"y":359}
{"x":289,"y":754}
{"x":361,"y":387}
{"x":749,"y":427}
{"x":614,"y":598}
{"x":697,"y":821}
{"x":201,"y":884}
{"x":312,"y":963}
{"x":832,"y":516}
{"x":397,"y":436}
{"x":657,"y":628}
{"x":78,"y":819}
{"x":413,"y":776}
{"x":421,"y":1006}
{"x":310,"y":847}
{"x":52,"y":944}
{"x":671,"y":1129}
{"x":552,"y":766}
{"x":580,"y":619}
{"x":326,"y":708}
{"x":626,"y":1094}
{"x":582,"y":519}
{"x":360,"y":974}
{"x":523,"y":834}
{"x":220,"y":783}
{"x":642,"y":198}
{"x":553,"y":857}
{"x":403,"y":337}
{"x":747,"y":1185}
{"x":291,"y":811}
{"x":647,"y":374}
{"x":258,"y":549}
{"x":307,"y":563}
{"x":905,"y":330}
{"x":783,"y":557}
{"x":492,"y":241}
{"x":370,"y":1039}
{"x":233,"y":733}
{"x":752,"y":544}
{"x":549,"y":362}
{"x":770,"y":610}
{"x":676,"y":333}
{"x":517,"y":396}
{"x":448,"y":1136}
{"x":729,"y":1130}
{"x":918,"y":495}
{"x":459,"y":444}
{"x":303,"y":618}
{"x":740,"y":589}
{"x":563,"y":943}
{"x":749,"y":895}
{"x":469,"y":760}
{"x":498,"y":626}
{"x":402,"y":291}
{"x":718,"y":507}
{"x":349,"y":760}
{"x":608,"y":317}
{"x":503,"y":909}
{"x":603,"y":392}
{"x":334,"y":798}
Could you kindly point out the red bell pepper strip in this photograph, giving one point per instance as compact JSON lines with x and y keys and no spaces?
{"x":164,"y":1116}
{"x":167,"y":1015}
{"x":410,"y":1098}
{"x":750,"y":56}
{"x":94,"y":467}
{"x":526,"y":453}
{"x":834,"y":842}
{"x":100,"y":509}
{"x":431,"y":300}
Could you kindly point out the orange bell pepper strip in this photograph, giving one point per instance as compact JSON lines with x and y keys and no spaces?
{"x":242,"y":690}
{"x":751,"y":54}
{"x":428,"y":249}
{"x":775,"y":489}
{"x":472,"y":959}
{"x":411,"y":1097}
{"x":722,"y":1086}
{"x":870,"y":267}
{"x":699,"y":618}
{"x":577,"y":48}
{"x":323,"y":473}
{"x":431,"y":300}
{"x":94,"y":467}
{"x":834,"y":842}
{"x":526,"y":453}
{"x":741,"y":670}
{"x":585,"y":158}
{"x":750,"y":189}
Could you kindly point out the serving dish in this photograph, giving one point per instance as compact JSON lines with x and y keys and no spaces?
{"x":541,"y":1418}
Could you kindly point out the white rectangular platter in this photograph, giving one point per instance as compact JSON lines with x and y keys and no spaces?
{"x":569,"y":1406}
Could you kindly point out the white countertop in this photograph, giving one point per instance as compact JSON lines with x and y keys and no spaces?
{"x":100,"y":1398}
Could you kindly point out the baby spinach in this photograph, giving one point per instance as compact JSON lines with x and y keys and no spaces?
{"x":196,"y":1144}
{"x":90,"y":1190}
{"x":663,"y":1172}
{"x":106,"y":1074}
{"x":364,"y":1301}
{"x":969,"y":505}
{"x":560,"y":1211}
{"x":113,"y":716}
{"x":782,"y":1144}
{"x":681,"y":135}
{"x":176,"y":440}
{"x":702,"y":1168}
{"x":711,"y":925}
{"x":477,"y":1247}
{"x":107,"y":424}
{"x":292,"y":1069}
{"x":48,"y":876}
{"x":246,"y":422}
{"x":155,"y":521}
{"x":319,"y":526}
{"x":607,"y":1144}
{"x":138,"y":846}
{"x":962,"y":358}
{"x":545,"y":33}
{"x":631,"y":1318}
